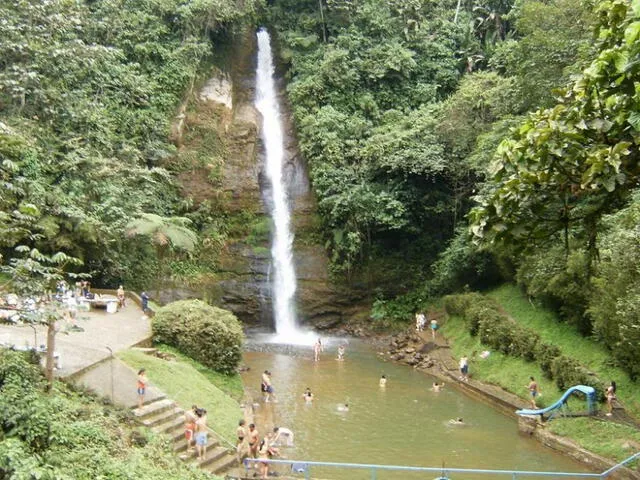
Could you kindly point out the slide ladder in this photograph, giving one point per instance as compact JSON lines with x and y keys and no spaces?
{"x":588,"y":391}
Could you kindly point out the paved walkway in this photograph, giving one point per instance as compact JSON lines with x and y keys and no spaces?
{"x":116,"y":380}
{"x":80,"y":350}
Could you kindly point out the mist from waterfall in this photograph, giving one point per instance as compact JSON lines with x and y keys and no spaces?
{"x":284,"y":278}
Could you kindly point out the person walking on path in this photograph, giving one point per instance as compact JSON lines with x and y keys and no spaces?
{"x":317,"y":349}
{"x":144,"y":297}
{"x":464,"y":368}
{"x":533,"y":391}
{"x":434,"y":327}
{"x":201,"y":433}
{"x":610,"y":393}
{"x":142,"y":386}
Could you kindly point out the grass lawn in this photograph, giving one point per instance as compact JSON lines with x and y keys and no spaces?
{"x":604,"y":438}
{"x":188,"y":385}
{"x":565,"y":337}
{"x":512,"y":374}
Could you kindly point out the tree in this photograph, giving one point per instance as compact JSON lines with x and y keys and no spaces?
{"x":568,"y":165}
{"x":32,"y":275}
{"x":165,"y":233}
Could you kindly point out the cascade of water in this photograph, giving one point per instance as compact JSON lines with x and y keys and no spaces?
{"x":284,"y":278}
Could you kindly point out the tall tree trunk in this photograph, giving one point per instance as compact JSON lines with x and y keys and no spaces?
{"x":51,"y":345}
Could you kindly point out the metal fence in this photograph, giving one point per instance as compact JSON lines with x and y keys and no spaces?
{"x":304,"y":468}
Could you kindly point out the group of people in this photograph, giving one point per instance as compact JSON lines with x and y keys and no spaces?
{"x":250,"y":444}
{"x":196,"y":431}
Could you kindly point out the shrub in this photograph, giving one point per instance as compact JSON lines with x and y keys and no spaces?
{"x":458,"y":304}
{"x":545,"y":354}
{"x":210,"y":335}
{"x":568,"y":372}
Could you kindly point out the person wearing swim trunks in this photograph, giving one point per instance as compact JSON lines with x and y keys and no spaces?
{"x":266,"y":386}
{"x":464,"y":369}
{"x":340,"y":353}
{"x":240,"y":434}
{"x":142,"y":386}
{"x":533,"y":391}
{"x":253,"y":440}
{"x":201,"y":433}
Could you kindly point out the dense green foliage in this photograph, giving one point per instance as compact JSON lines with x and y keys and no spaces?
{"x":87,"y":93}
{"x":71,"y":435}
{"x":562,"y":192}
{"x":210,"y":335}
{"x":498,"y":332}
{"x":399,"y":106}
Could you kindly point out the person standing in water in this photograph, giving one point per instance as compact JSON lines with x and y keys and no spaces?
{"x":317,"y":349}
{"x":254,"y":436}
{"x":307,"y":395}
{"x":285,"y":434}
{"x":533,"y":391}
{"x":266,"y":386}
{"x":383,"y":381}
{"x":340,"y":353}
{"x":142,"y":386}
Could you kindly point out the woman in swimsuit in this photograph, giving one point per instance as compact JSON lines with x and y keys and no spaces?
{"x":611,"y":396}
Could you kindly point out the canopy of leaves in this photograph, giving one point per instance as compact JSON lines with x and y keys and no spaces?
{"x":87,"y":92}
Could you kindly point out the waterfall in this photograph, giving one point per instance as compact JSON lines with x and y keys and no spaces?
{"x":284,"y":277}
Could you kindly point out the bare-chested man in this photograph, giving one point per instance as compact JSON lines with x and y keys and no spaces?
{"x":254,"y":436}
{"x":317,"y":349}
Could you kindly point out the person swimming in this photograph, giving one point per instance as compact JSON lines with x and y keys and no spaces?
{"x":307,"y":395}
{"x":383,"y":381}
{"x":343,"y":407}
{"x":456,"y":421}
{"x":436,"y":387}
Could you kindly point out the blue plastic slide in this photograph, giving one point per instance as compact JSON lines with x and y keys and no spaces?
{"x":588,"y":391}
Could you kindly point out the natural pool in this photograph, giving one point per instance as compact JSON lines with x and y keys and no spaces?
{"x":405,"y":423}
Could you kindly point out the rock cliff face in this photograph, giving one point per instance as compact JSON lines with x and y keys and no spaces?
{"x":242,"y":282}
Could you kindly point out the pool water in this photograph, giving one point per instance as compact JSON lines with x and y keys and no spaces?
{"x":405,"y":423}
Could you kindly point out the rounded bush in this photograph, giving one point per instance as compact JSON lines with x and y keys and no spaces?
{"x":209,"y":335}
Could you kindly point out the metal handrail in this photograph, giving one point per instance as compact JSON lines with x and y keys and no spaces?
{"x":443,"y":471}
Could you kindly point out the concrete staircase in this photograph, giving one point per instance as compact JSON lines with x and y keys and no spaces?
{"x":163,"y":416}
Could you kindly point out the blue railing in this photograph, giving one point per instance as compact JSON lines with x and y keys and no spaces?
{"x":304,"y":467}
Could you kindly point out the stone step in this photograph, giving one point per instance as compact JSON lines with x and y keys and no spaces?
{"x":153,"y":408}
{"x":170,"y":425}
{"x":163,"y":416}
{"x":223,"y":464}
{"x":180,"y":444}
{"x":213,"y":454}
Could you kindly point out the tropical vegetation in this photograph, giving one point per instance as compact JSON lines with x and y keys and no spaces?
{"x":72,"y":434}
